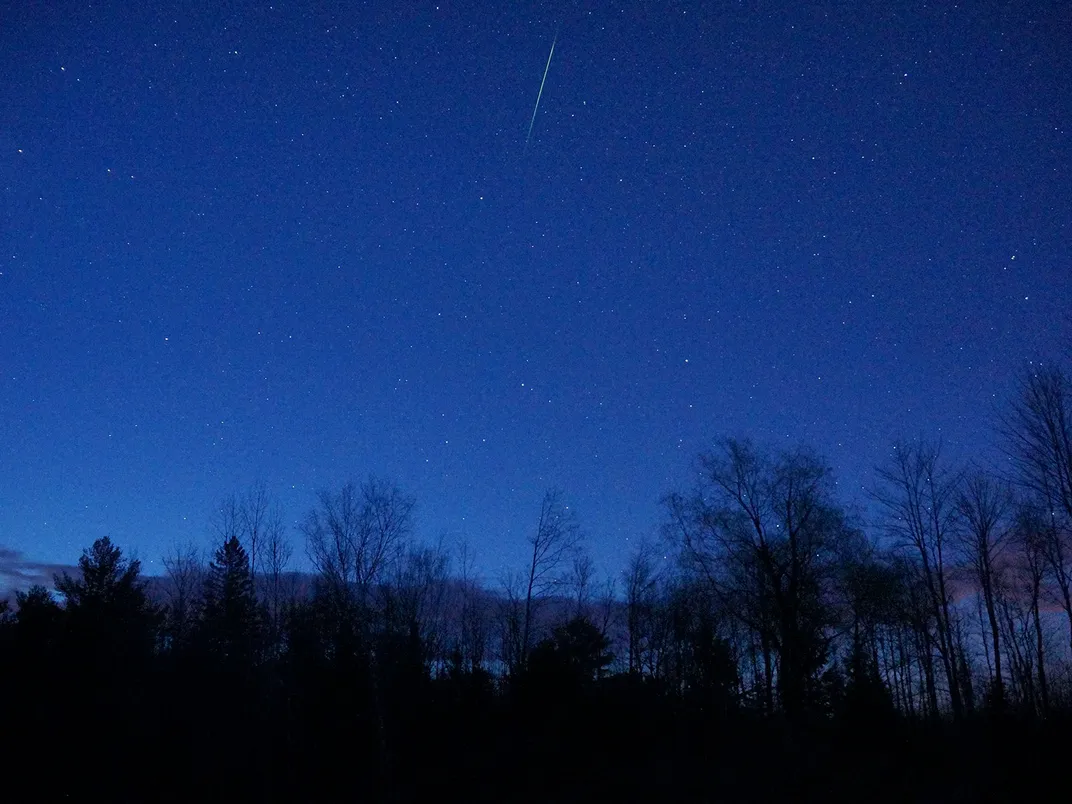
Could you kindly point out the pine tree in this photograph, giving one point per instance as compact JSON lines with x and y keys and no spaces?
{"x":104,"y":667}
{"x":111,"y":620}
{"x":577,"y":649}
{"x":229,"y":621}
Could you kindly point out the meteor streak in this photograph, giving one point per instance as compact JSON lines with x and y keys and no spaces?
{"x":540,"y":93}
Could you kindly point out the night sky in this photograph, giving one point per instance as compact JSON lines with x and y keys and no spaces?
{"x":300,"y":243}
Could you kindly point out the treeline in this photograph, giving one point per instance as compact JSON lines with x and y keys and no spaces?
{"x":784,"y":651}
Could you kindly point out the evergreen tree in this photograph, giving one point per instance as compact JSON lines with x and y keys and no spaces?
{"x":29,"y":641}
{"x":112,"y":623}
{"x":38,"y":618}
{"x":32,"y":634}
{"x":104,"y":669}
{"x":578,"y":650}
{"x":865,"y":699}
{"x":229,"y":618}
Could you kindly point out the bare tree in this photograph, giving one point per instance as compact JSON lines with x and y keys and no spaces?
{"x":277,"y":552}
{"x":873,"y":595}
{"x":764,"y":533}
{"x":906,"y":654}
{"x":641,"y":596}
{"x":605,"y":606}
{"x":919,"y":497}
{"x":228,"y":521}
{"x":1030,"y":581}
{"x":260,"y":517}
{"x":1038,"y":435}
{"x":255,"y":519}
{"x":511,"y":616}
{"x":471,"y":640}
{"x":581,"y":578}
{"x":985,"y":504}
{"x":184,"y":569}
{"x":355,"y":534}
{"x":387,"y":517}
{"x":354,"y":538}
{"x":556,"y":537}
{"x":414,"y":598}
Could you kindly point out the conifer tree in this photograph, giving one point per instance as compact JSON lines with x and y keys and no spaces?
{"x":111,"y":621}
{"x":229,"y":619}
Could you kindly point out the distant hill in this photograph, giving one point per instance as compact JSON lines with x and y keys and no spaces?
{"x":17,"y":573}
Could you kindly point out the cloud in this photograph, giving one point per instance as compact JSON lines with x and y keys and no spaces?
{"x":17,"y":574}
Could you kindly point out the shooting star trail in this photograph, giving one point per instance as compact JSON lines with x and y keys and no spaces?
{"x":540,"y":93}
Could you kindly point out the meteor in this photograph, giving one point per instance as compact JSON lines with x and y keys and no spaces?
{"x":540,"y":93}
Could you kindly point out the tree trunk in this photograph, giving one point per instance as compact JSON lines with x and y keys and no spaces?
{"x":768,"y":673}
{"x":1044,"y":691}
{"x":995,"y":635}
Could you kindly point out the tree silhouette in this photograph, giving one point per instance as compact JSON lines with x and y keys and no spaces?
{"x":554,"y":692}
{"x":779,"y":655}
{"x":555,"y":539}
{"x":641,"y":588}
{"x":866,"y":699}
{"x":34,"y":675}
{"x":184,"y":575}
{"x":985,"y":506}
{"x":764,"y":534}
{"x":34,"y":635}
{"x":918,"y":494}
{"x":1030,"y":539}
{"x":355,"y":536}
{"x":578,"y":648}
{"x":109,"y":614}
{"x":107,"y":658}
{"x":702,"y":667}
{"x":1038,"y":436}
{"x":38,"y":616}
{"x":229,"y":619}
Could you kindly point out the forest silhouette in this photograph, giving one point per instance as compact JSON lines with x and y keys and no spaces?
{"x":783,"y":652}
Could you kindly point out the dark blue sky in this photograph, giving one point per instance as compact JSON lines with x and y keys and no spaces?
{"x":299,"y":243}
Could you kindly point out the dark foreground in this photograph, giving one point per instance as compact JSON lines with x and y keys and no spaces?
{"x":103,"y":699}
{"x":459,"y":739}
